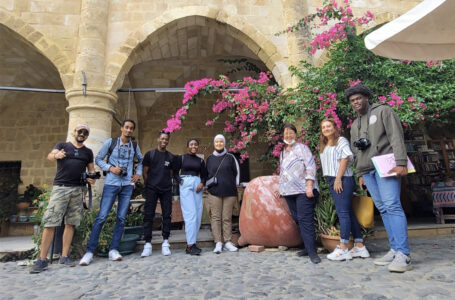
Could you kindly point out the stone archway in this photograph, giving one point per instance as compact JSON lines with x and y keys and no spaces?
{"x":186,"y":49}
{"x":121,"y":61}
{"x":41,"y":43}
{"x":31,"y":123}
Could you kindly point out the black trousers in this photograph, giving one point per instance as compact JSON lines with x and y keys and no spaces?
{"x":151,"y":199}
{"x":302,"y":211}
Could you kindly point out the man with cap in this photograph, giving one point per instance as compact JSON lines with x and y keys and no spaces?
{"x":73,"y":159}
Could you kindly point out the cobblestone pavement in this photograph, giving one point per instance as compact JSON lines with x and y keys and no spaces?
{"x":242,"y":275}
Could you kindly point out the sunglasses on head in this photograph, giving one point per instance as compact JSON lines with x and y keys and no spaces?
{"x":82,"y":131}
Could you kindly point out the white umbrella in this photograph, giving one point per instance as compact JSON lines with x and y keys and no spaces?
{"x":426,"y":32}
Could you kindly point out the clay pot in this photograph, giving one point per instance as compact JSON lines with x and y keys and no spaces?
{"x":265,"y":218}
{"x":330,"y":242}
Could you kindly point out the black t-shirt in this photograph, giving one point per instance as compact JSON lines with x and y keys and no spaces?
{"x":189,"y":164}
{"x":70,"y":168}
{"x":159,"y":174}
{"x":226,"y":175}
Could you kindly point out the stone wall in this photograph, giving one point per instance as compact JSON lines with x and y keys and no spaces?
{"x":29,"y":131}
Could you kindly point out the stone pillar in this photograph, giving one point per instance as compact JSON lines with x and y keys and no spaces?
{"x":95,"y":109}
{"x":97,"y":106}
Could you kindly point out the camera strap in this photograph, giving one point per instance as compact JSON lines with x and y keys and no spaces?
{"x":359,"y":124}
{"x":129,"y":153}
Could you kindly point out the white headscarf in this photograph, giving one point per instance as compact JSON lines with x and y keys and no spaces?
{"x":215,"y":152}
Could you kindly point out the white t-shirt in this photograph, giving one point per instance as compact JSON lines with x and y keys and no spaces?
{"x":332,"y":155}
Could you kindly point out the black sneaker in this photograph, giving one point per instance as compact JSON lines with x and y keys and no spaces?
{"x":193,"y":250}
{"x":302,"y":253}
{"x":66,"y":260}
{"x":197,"y":248}
{"x":315,"y":259}
{"x":39,"y":266}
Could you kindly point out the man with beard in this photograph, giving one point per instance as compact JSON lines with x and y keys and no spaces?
{"x":159,"y":168}
{"x":120,"y":153}
{"x":73,"y":158}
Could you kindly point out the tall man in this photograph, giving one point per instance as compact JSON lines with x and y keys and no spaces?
{"x":377,"y":131}
{"x":73,"y":159}
{"x":120,"y":180}
{"x":159,"y":168}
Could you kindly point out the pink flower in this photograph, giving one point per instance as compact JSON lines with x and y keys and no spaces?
{"x":382,"y":98}
{"x":209,"y":122}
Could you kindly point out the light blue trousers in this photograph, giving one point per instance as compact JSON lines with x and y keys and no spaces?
{"x":191,"y":204}
{"x":386,"y":196}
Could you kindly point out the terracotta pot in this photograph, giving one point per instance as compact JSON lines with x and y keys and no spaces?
{"x":264,"y":218}
{"x":330,"y":242}
{"x":22,"y":205}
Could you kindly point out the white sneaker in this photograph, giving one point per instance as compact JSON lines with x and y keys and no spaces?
{"x":165,"y":248}
{"x":147,"y":250}
{"x":339,"y":254}
{"x":360,"y":252}
{"x":218,"y":248}
{"x":86,"y":259}
{"x":114,"y":255}
{"x":230,"y":247}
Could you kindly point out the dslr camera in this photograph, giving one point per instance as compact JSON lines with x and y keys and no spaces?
{"x":86,"y":175}
{"x":362,"y":144}
{"x":123,"y":172}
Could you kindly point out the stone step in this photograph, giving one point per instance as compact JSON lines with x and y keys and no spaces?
{"x":178,"y":239}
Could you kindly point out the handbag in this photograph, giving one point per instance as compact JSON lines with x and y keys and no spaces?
{"x":213,"y":180}
{"x":363,"y":208}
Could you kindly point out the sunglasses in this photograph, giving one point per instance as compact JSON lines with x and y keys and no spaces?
{"x":83,"y":132}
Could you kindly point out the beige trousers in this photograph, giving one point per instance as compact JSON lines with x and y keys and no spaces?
{"x":221,"y":214}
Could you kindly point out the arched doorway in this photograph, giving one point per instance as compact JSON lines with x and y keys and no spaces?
{"x":31,"y":123}
{"x":174,"y":55}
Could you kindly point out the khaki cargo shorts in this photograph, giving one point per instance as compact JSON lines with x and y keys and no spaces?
{"x":64,"y":201}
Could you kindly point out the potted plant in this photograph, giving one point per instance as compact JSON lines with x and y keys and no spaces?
{"x":134,"y":220}
{"x":328,"y":226}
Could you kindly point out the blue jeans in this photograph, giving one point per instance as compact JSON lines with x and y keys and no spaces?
{"x":386,"y":196}
{"x":110,"y":192}
{"x":302,"y":211}
{"x":191,"y":204}
{"x":343,"y":204}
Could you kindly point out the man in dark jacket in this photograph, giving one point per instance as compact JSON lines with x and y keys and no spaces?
{"x":377,"y":131}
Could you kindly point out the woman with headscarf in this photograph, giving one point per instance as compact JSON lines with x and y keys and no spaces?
{"x":222,"y":180}
{"x":299,"y":186}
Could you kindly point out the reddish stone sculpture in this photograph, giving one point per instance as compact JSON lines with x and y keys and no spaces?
{"x":265,"y":218}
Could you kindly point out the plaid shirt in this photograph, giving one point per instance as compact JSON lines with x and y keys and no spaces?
{"x":296,"y":167}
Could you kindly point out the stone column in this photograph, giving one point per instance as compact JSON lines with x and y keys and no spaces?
{"x":94,"y":104}
{"x":96,"y":107}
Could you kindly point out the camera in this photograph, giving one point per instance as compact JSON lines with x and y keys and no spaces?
{"x":362,"y":144}
{"x":123,"y":172}
{"x":86,"y":175}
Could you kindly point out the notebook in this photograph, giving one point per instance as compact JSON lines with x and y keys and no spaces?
{"x":384,"y":163}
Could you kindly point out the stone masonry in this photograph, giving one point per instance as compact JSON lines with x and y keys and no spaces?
{"x":134,"y":43}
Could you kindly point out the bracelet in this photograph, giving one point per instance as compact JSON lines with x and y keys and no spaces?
{"x":337,"y":181}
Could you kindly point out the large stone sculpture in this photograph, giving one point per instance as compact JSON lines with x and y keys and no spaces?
{"x":264,"y":217}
